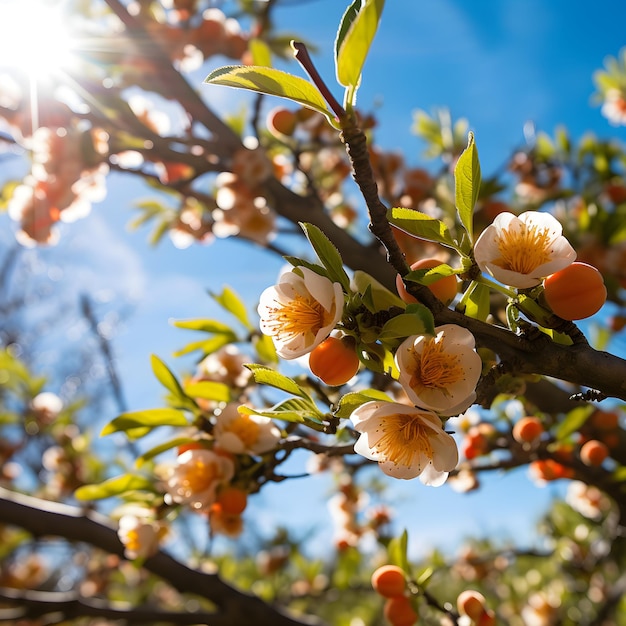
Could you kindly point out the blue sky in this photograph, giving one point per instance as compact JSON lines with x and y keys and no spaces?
{"x":499,"y":64}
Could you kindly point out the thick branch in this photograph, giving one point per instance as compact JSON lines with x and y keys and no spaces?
{"x":174,"y":81}
{"x":35,"y":604}
{"x":42,"y":518}
{"x":578,"y":364}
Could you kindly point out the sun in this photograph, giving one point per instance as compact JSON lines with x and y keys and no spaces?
{"x":35,"y":38}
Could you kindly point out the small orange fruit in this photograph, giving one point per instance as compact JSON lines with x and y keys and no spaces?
{"x":399,"y":611}
{"x":281,"y":121}
{"x":389,"y":581}
{"x":471,"y":603}
{"x":575,"y":292}
{"x":334,"y":361}
{"x":593,"y":453}
{"x":527,"y":430}
{"x":444,"y":288}
{"x":232,"y":501}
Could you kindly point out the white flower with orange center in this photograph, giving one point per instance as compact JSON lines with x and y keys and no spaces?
{"x":195,"y":477}
{"x":406,"y":441}
{"x":440,"y":372}
{"x":140,"y":536}
{"x":240,"y":433}
{"x":300,"y":311}
{"x":520,"y":251}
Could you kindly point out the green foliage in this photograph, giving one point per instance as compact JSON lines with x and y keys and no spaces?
{"x":354,"y":38}
{"x":422,"y":226}
{"x":327,"y":254}
{"x":467,"y":185}
{"x":273,"y":82}
{"x":137,"y":424}
{"x":115,"y":487}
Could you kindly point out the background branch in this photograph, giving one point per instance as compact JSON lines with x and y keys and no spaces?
{"x":43,"y":519}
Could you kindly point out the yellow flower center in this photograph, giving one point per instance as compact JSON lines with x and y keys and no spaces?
{"x":132,"y":540}
{"x":245,"y":429}
{"x":434,"y":368}
{"x":525,"y":249}
{"x":404,"y":436}
{"x":199,"y":476}
{"x":301,"y":315}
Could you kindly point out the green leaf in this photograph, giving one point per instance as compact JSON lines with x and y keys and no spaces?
{"x":476,"y":301}
{"x":421,"y":225}
{"x":398,"y":549}
{"x":208,"y":390}
{"x":381,"y":298}
{"x":467,"y":185}
{"x":429,"y":276}
{"x":114,"y":487}
{"x":298,"y":410}
{"x":207,"y":346}
{"x":354,"y":38}
{"x":266,"y":376}
{"x":573,"y":421}
{"x":270,"y":81}
{"x":230,"y":301}
{"x":265,"y":348}
{"x":352,"y":401}
{"x":165,"y":377}
{"x":136,"y":424}
{"x":204,"y":325}
{"x":164,"y":447}
{"x":261,"y":53}
{"x":418,"y":321}
{"x":328,"y":255}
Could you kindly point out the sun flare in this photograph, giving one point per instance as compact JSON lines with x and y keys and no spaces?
{"x":35,"y":38}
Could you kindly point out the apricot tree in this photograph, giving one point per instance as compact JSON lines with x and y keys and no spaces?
{"x":403,"y":380}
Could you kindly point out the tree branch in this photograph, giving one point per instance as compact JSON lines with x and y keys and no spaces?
{"x":42,"y":518}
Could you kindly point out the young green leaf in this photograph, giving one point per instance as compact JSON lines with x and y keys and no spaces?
{"x":114,"y":487}
{"x":573,"y":421}
{"x":467,"y":185}
{"x":418,"y":321}
{"x":381,"y":297}
{"x":299,"y":410}
{"x":206,"y":346}
{"x":166,"y":378}
{"x":272,"y":82}
{"x":230,"y":301}
{"x":352,"y":401}
{"x":208,"y":390}
{"x":421,"y":225}
{"x":261,"y":53}
{"x":354,"y":38}
{"x":204,"y":325}
{"x":163,"y":447}
{"x":398,"y":551}
{"x":428,"y":276}
{"x":328,"y":255}
{"x":476,"y":301}
{"x":136,"y":424}
{"x":266,"y":376}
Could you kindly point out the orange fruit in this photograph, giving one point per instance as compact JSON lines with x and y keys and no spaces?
{"x":576,"y":292}
{"x":527,"y":430}
{"x":281,"y":121}
{"x":399,"y":611}
{"x":334,"y":361}
{"x":389,"y":581}
{"x":471,"y":603}
{"x":444,"y":288}
{"x":232,"y":501}
{"x":593,"y":453}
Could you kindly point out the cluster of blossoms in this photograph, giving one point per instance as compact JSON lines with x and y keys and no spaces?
{"x":202,"y":475}
{"x":68,"y":174}
{"x":242,"y":209}
{"x":438,"y":374}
